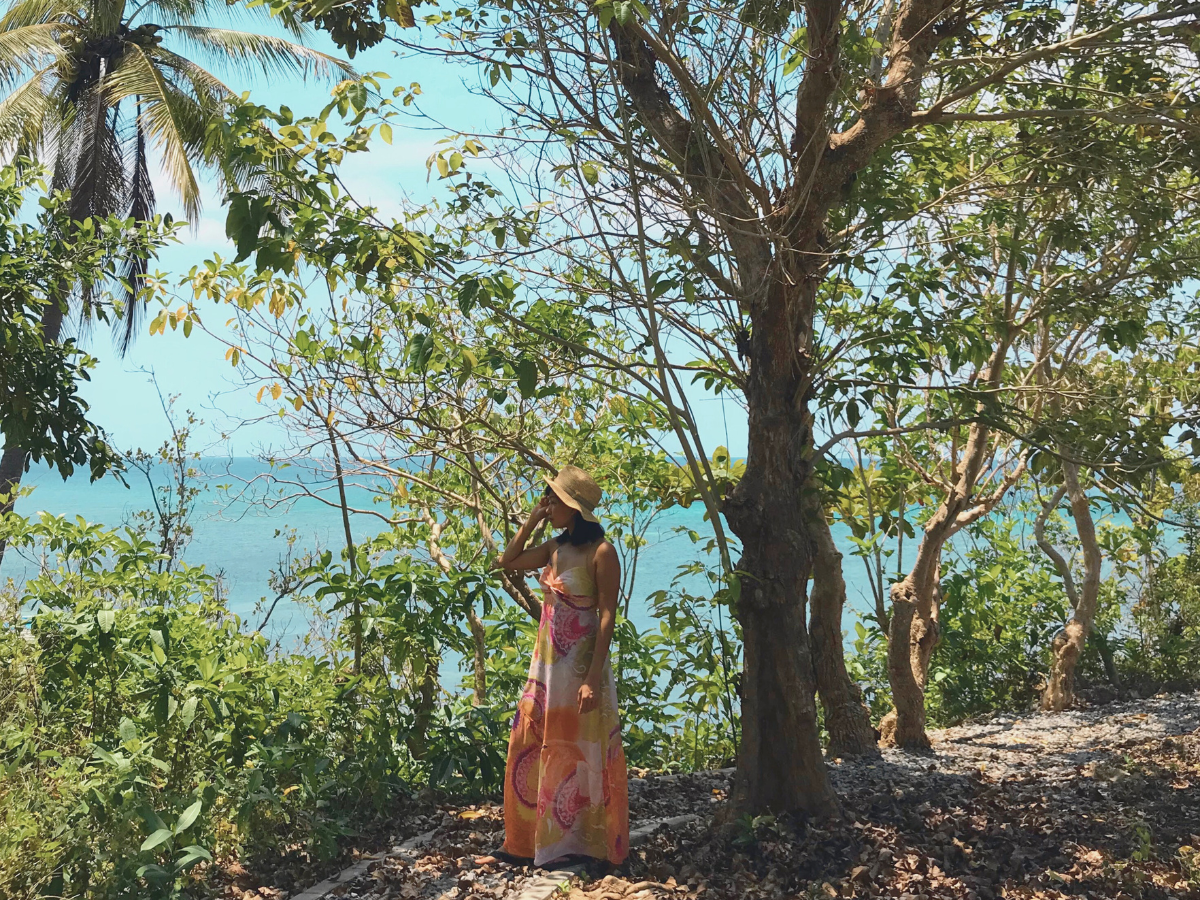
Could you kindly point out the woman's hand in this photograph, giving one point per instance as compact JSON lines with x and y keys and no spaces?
{"x":587,"y":698}
{"x":541,"y":511}
{"x":516,"y":557}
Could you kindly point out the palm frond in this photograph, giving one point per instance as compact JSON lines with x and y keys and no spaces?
{"x":220,"y":13}
{"x":141,"y":208}
{"x":91,"y":163}
{"x":207,"y":87}
{"x":92,"y":151}
{"x":169,"y":117}
{"x":245,"y":51}
{"x":24,"y":50}
{"x":24,"y":13}
{"x":141,"y":188}
{"x":104,"y":16}
{"x":23,"y":114}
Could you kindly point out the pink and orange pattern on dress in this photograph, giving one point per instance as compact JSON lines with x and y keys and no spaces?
{"x":565,"y":788}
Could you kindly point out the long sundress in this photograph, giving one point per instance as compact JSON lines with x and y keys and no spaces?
{"x":565,"y":785}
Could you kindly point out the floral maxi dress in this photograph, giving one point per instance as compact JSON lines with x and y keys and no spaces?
{"x":565,"y":786}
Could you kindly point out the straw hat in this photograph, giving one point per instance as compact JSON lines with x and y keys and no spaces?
{"x":577,"y":489}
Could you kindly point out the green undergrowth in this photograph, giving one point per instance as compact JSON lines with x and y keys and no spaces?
{"x":149,"y":738}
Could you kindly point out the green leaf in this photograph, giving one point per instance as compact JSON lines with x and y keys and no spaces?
{"x":527,"y":376}
{"x":154,"y":873}
{"x":159,"y":837}
{"x":188,"y":817}
{"x":188,"y":714}
{"x":192,"y":855}
{"x":207,"y":667}
{"x":385,"y":132}
{"x":127,"y":730}
{"x":400,"y":12}
{"x":106,"y":618}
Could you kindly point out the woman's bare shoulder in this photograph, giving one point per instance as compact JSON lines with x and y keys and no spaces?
{"x":605,"y":553}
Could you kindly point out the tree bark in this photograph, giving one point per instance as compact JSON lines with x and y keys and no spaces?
{"x":479,"y":641}
{"x":780,"y":766}
{"x":423,"y":705}
{"x":1068,"y":645}
{"x":847,"y":718}
{"x":913,"y":633}
{"x":779,"y":252}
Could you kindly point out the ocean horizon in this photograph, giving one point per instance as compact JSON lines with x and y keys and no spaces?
{"x":243,"y":538}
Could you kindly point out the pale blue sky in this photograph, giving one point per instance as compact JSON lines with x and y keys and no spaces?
{"x":122,"y":398}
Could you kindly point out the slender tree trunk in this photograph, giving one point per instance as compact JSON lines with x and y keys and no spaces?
{"x":780,"y":766}
{"x":479,"y":640}
{"x":351,"y":557}
{"x":1106,"y":655}
{"x":913,"y":633}
{"x":1067,"y":647}
{"x":417,"y":738}
{"x":847,"y":718}
{"x":478,"y":635}
{"x":14,"y":459}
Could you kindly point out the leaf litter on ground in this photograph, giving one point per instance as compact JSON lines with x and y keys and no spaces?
{"x":1101,"y":802}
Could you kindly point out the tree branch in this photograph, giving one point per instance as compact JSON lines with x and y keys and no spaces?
{"x":1060,"y":563}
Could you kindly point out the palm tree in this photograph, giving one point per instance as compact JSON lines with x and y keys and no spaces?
{"x":92,"y":86}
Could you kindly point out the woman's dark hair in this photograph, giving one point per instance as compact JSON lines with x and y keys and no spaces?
{"x":582,"y":532}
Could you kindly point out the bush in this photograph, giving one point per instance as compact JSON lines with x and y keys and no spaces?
{"x":1164,"y":646}
{"x":1002,"y":604}
{"x":144,"y":735}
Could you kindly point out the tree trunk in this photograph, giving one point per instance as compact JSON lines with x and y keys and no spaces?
{"x":14,"y":459}
{"x":1106,"y":655}
{"x":478,"y":635}
{"x":780,"y":766}
{"x":423,"y":705}
{"x":847,"y":718}
{"x":913,"y":633}
{"x":479,"y":640}
{"x":1068,"y":645}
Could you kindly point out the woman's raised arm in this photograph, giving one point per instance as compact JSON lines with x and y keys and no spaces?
{"x":515,"y":556}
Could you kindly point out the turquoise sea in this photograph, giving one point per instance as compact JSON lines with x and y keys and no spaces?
{"x":240,"y":537}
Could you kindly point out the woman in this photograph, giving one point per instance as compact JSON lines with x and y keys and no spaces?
{"x":565,"y":786}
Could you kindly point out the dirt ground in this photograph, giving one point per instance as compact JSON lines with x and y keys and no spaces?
{"x":1097,"y":803}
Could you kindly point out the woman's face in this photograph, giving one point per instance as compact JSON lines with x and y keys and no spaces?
{"x":561,"y":515}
